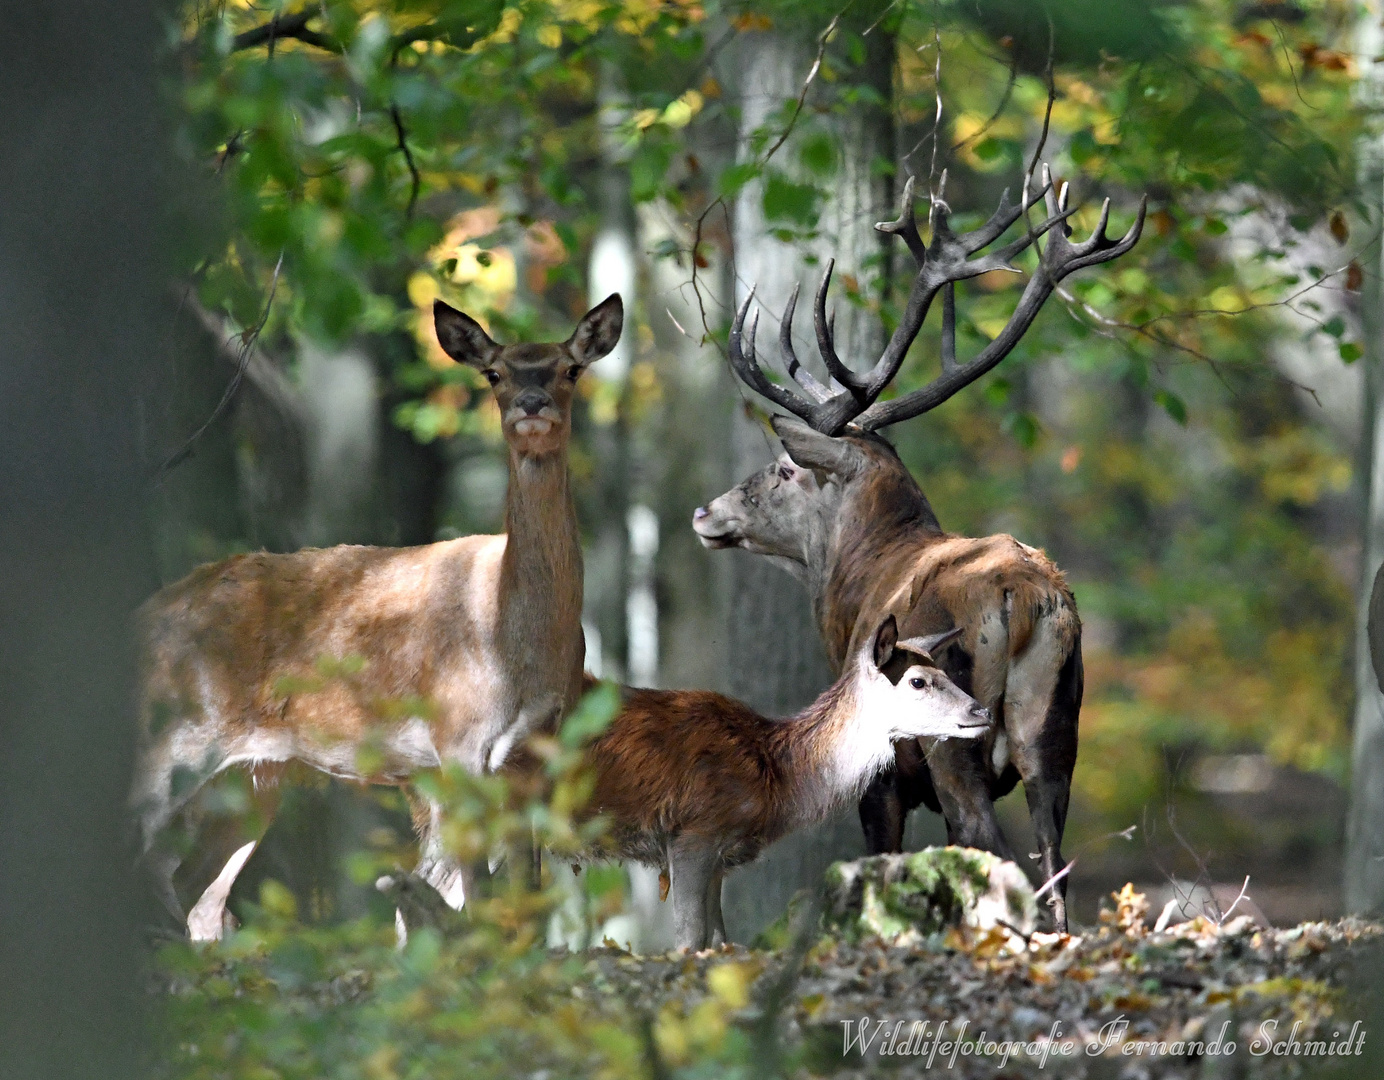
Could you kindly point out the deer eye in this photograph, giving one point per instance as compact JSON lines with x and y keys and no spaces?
{"x":785,"y":473}
{"x":574,"y":373}
{"x":917,"y":682}
{"x":491,"y":376}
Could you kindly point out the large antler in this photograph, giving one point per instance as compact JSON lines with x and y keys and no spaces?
{"x":1058,"y":258}
{"x":942,"y":262}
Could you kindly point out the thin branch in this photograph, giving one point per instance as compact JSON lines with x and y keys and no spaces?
{"x":247,"y":345}
{"x":408,"y":158}
{"x":802,"y":94}
{"x":994,"y":116}
{"x":1288,"y":56}
{"x":1047,"y":117}
{"x":286,"y":26}
{"x":937,"y":116}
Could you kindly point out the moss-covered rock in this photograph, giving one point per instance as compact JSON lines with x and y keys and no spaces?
{"x":906,"y":898}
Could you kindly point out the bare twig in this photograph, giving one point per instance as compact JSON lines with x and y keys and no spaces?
{"x":247,"y":344}
{"x":286,"y":26}
{"x":1054,"y":879}
{"x":408,"y":158}
{"x":994,"y":116}
{"x":802,"y":94}
{"x":1288,"y":56}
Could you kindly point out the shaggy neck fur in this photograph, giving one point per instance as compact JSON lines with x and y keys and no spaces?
{"x":881,"y":511}
{"x":833,"y":748}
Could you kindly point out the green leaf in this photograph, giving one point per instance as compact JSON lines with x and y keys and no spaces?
{"x":1351,"y":352}
{"x":731,"y":180}
{"x":1172,"y":405}
{"x":1335,"y":326}
{"x":818,"y":155}
{"x":785,"y":200}
{"x":592,"y":715}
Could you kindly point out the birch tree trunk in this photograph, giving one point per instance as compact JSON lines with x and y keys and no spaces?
{"x":776,"y":660}
{"x":1364,"y":862}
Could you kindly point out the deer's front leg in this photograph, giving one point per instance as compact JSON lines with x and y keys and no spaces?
{"x":961,"y":780}
{"x":691,"y":866}
{"x":435,"y":866}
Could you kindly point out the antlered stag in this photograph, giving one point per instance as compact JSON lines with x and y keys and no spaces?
{"x":486,"y":629}
{"x":845,"y":515}
{"x":699,"y":783}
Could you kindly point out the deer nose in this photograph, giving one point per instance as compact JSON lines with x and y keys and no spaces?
{"x":980,"y":712}
{"x":531,"y":402}
{"x":700,"y":513}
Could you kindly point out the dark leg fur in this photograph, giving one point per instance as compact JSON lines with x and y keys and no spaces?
{"x":1047,"y":770}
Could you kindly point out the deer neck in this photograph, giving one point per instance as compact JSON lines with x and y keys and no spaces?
{"x":541,"y":571}
{"x":884,"y":514}
{"x":831,"y":751}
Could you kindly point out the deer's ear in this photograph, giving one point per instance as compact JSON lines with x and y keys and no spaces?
{"x":886,"y":638}
{"x":461,"y":337}
{"x":599,"y":330}
{"x":930,"y":645}
{"x":811,"y":449}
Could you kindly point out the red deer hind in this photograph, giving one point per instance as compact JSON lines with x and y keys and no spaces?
{"x":487,"y":629}
{"x":698,"y":783}
{"x":846,"y":516}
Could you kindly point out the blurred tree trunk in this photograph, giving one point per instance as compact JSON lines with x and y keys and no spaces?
{"x":775,"y":655}
{"x":80,"y":251}
{"x":1364,"y":862}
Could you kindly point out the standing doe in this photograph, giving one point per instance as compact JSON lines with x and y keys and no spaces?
{"x":698,"y":783}
{"x":486,"y":629}
{"x":844,"y":515}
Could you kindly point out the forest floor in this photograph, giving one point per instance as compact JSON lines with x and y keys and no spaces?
{"x":1196,"y":1000}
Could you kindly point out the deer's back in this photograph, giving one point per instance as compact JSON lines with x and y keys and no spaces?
{"x":259,"y":640}
{"x":995,"y":587}
{"x":689,"y":761}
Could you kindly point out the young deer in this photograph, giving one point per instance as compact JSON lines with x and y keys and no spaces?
{"x":487,"y":629}
{"x":698,"y":783}
{"x":842,"y":512}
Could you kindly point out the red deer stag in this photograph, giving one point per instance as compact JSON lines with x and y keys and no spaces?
{"x":698,"y":783}
{"x":844,"y":514}
{"x":487,"y":629}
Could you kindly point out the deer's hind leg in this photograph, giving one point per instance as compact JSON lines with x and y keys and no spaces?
{"x":232,"y":815}
{"x":715,"y":921}
{"x":1042,"y":700}
{"x":435,"y":866}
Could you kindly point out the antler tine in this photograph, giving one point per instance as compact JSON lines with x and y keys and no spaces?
{"x":740,"y":349}
{"x":826,"y":337}
{"x":906,"y":225}
{"x":1004,"y":216}
{"x":796,"y":371}
{"x":828,"y":416}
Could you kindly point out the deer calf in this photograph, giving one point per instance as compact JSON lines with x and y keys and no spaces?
{"x":698,"y":783}
{"x":487,"y":629}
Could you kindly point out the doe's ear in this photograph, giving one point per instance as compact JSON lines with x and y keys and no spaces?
{"x":811,"y":449}
{"x":930,"y":645}
{"x":461,"y":337}
{"x":886,"y":638}
{"x":599,"y":330}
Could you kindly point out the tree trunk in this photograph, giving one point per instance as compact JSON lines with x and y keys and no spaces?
{"x":776,"y":660}
{"x":79,"y":248}
{"x":1364,"y":862}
